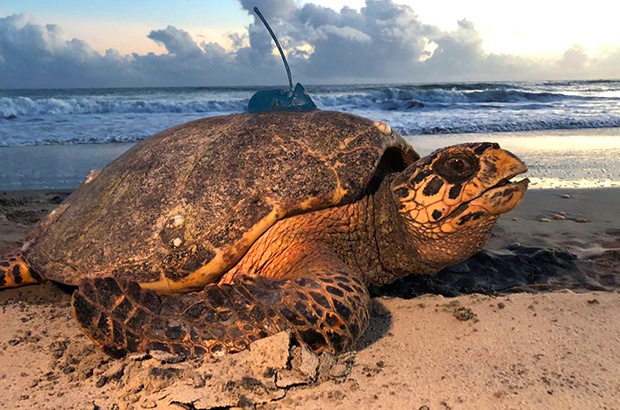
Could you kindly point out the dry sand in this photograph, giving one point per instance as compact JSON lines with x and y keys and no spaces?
{"x":553,"y":350}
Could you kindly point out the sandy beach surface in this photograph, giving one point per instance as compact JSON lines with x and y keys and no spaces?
{"x":551,"y":345}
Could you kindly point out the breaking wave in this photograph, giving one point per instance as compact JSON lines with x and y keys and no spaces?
{"x":38,"y":117}
{"x":24,"y":106}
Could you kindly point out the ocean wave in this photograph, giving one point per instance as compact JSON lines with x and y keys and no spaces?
{"x":405,"y":99}
{"x":415,"y":127}
{"x":48,"y":117}
{"x":380,"y":99}
{"x":11,"y":108}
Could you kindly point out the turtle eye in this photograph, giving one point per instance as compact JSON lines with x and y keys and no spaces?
{"x":457,"y":167}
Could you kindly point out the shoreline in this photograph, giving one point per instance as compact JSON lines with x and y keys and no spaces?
{"x":54,"y":166}
{"x":567,"y":158}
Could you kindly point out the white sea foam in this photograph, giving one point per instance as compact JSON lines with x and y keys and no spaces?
{"x":36,"y":117}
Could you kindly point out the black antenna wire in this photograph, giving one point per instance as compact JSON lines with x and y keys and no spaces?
{"x":275,"y":40}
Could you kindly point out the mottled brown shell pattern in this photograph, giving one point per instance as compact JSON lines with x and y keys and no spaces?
{"x":183,"y":206}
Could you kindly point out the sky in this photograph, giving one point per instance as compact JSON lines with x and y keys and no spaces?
{"x":114,"y":43}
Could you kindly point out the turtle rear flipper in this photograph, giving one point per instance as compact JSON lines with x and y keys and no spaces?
{"x":324,"y":304}
{"x":15,"y":271}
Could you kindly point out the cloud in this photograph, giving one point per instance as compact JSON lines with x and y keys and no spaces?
{"x":178,"y":42}
{"x":382,"y":42}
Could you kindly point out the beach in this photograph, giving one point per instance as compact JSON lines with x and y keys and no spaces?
{"x":531,"y":322}
{"x":528,"y":323}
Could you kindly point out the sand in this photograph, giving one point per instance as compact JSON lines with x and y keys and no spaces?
{"x":553,"y":346}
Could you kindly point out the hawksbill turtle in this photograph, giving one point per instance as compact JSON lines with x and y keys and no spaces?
{"x":215,"y":233}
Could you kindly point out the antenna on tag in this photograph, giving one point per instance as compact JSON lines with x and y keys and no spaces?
{"x":275,"y":40}
{"x":293,"y":99}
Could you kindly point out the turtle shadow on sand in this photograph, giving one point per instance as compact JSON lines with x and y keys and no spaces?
{"x":514,"y":269}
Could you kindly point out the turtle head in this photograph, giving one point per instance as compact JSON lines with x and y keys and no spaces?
{"x":451,"y":199}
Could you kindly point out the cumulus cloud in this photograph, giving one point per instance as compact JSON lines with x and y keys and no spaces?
{"x":382,"y":42}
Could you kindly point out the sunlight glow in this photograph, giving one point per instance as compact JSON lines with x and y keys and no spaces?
{"x":429,"y":50}
{"x":525,"y":28}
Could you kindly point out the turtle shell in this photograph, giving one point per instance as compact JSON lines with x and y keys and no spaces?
{"x":183,"y":206}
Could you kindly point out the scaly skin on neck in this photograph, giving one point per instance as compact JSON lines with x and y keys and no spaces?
{"x":368,"y":235}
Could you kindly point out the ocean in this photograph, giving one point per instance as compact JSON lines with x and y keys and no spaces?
{"x":428,"y":114}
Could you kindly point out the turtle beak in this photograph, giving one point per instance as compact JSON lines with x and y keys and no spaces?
{"x":502,"y":198}
{"x":497,"y":168}
{"x":494,"y":193}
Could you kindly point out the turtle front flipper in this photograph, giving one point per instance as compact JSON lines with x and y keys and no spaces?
{"x":15,"y":271}
{"x":324,"y":304}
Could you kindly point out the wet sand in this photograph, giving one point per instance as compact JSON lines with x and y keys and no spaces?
{"x":543,"y":347}
{"x":54,"y":166}
{"x":576,"y":158}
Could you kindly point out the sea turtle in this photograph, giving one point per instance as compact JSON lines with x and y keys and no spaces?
{"x":212,"y":234}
